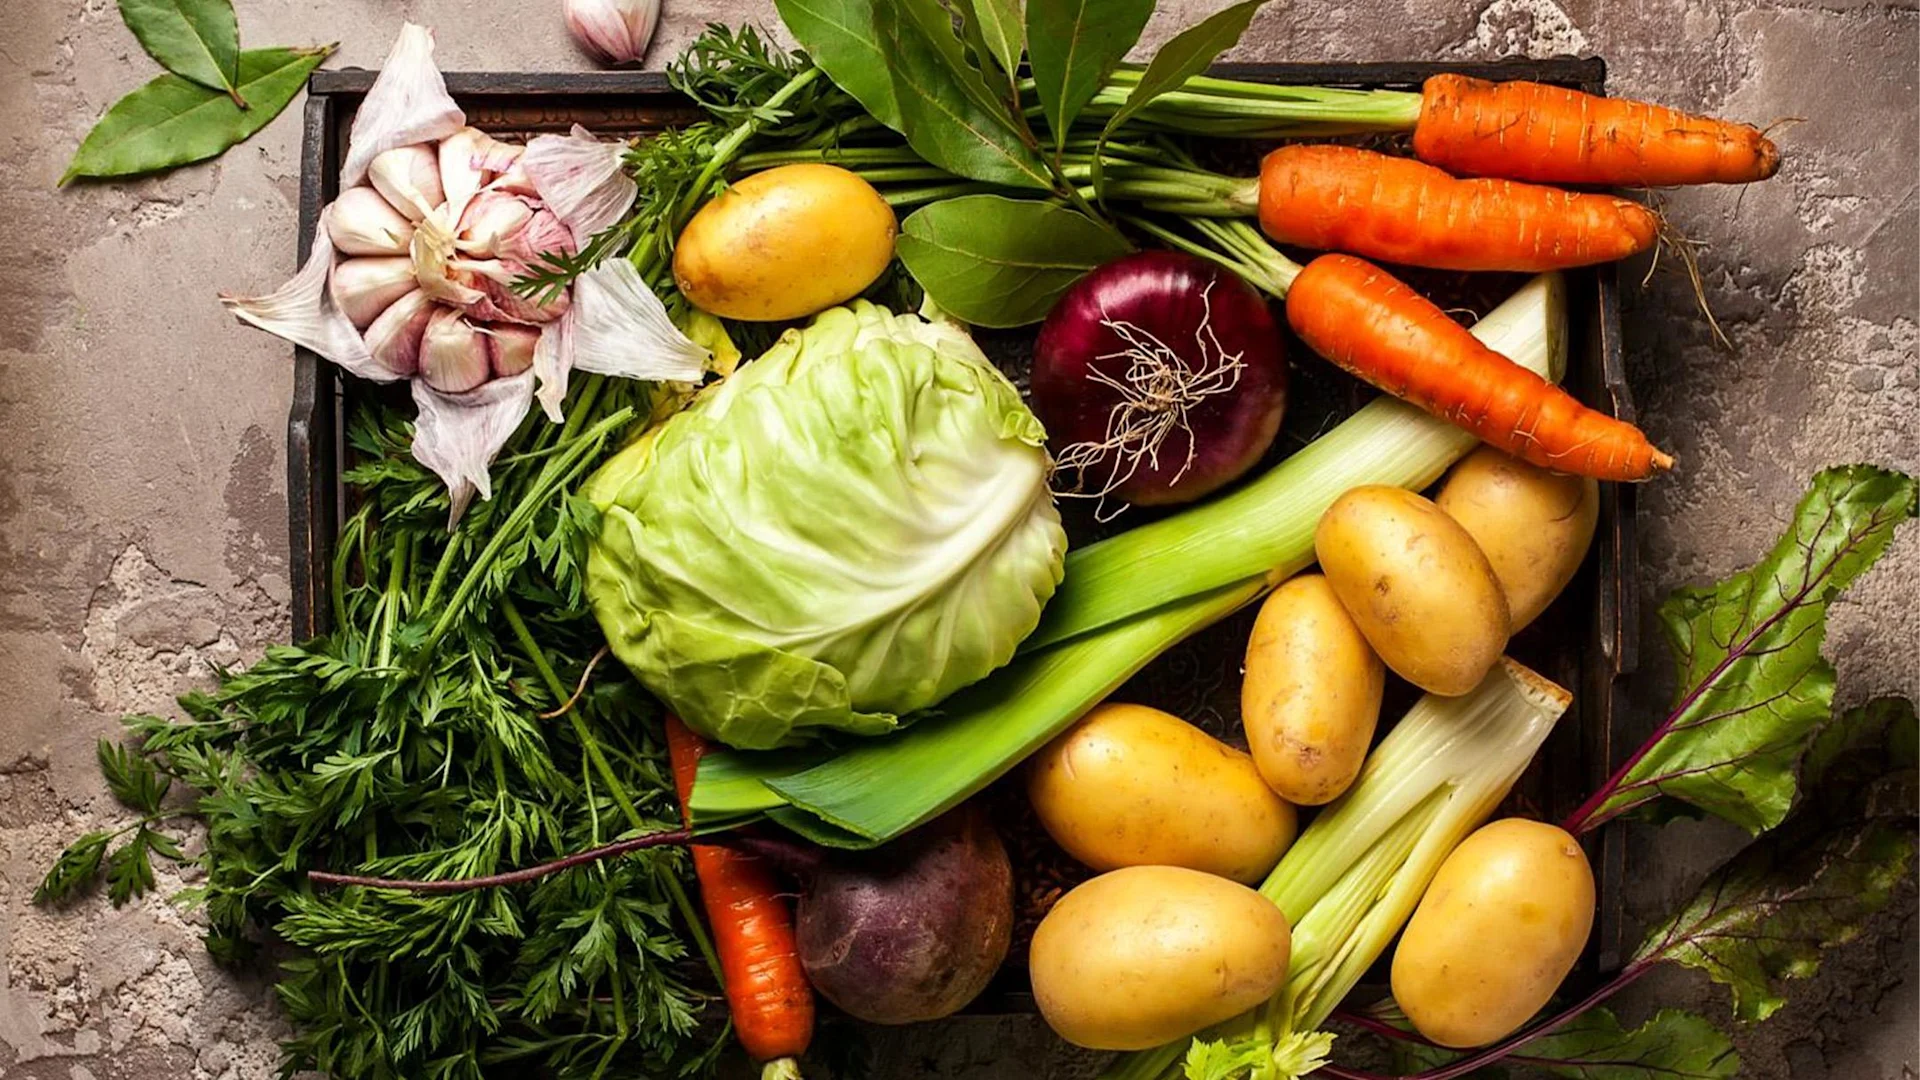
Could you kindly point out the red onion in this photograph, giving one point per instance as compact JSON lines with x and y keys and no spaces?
{"x":1160,"y":377}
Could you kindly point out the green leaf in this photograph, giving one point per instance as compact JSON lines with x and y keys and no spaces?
{"x":1189,"y":53}
{"x":1767,"y":915}
{"x":1672,"y":1045}
{"x":131,"y":777}
{"x":1754,"y":684}
{"x":1001,"y":28}
{"x":993,"y":261}
{"x":947,"y":112}
{"x":171,"y":121}
{"x":129,"y":870}
{"x":839,"y":36}
{"x":76,"y":867}
{"x":1073,"y":45}
{"x":197,"y":40}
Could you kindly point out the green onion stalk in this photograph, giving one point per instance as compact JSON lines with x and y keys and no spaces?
{"x":1124,"y":600}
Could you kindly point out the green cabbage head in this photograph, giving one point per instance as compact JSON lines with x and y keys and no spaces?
{"x":846,"y":530}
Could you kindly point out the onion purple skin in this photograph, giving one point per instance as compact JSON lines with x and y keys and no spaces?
{"x":1164,"y":293}
{"x":906,"y":932}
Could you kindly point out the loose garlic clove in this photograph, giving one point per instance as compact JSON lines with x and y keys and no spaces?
{"x":454,"y":356}
{"x":363,"y":222}
{"x":613,"y":31}
{"x":409,"y":176}
{"x":363,"y":288}
{"x":512,"y":348}
{"x":491,"y":218}
{"x":394,"y":338}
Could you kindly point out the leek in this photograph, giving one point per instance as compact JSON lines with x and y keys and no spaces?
{"x":1123,"y":601}
{"x":1354,"y":876}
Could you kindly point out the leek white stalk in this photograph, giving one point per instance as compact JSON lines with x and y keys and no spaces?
{"x":1354,"y":877}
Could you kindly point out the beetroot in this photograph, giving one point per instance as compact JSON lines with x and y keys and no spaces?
{"x":1160,"y":377}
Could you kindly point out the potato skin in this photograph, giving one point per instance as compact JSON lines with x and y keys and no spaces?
{"x":1535,"y":526}
{"x":1498,"y":929}
{"x":784,"y":244}
{"x":1416,"y":584}
{"x":1133,"y":786}
{"x":1311,"y":696}
{"x":1149,"y":954}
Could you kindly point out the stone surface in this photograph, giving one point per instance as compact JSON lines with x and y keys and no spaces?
{"x":142,"y":522}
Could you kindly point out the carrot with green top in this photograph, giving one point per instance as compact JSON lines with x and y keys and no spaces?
{"x":1550,"y":134}
{"x":1370,"y":324}
{"x":1341,"y":198}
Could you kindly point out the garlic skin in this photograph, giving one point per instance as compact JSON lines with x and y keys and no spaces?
{"x":613,"y":31}
{"x":365,"y":287}
{"x":365,"y":223}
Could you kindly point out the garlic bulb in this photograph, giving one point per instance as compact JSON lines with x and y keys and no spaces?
{"x":413,"y":269}
{"x":613,"y":31}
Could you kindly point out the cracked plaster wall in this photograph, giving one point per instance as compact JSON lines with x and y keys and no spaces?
{"x":142,"y":512}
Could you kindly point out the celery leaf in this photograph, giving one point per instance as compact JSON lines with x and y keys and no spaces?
{"x":1753,"y":683}
{"x":1768,"y":914}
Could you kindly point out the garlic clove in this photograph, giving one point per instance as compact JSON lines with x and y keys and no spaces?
{"x":454,"y":356}
{"x":365,"y":223}
{"x":409,"y":177}
{"x":394,"y":337}
{"x":613,"y":31}
{"x":490,"y":219}
{"x":512,"y":348}
{"x":544,"y":233}
{"x":365,"y":287}
{"x":581,"y":179}
{"x":408,"y":103}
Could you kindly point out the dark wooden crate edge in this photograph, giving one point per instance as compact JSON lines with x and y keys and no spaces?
{"x":314,"y":422}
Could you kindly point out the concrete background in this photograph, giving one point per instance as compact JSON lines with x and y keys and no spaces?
{"x":142,"y":518}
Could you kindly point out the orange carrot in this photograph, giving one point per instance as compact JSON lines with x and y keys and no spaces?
{"x":1341,"y":198}
{"x":1358,"y":316}
{"x":766,"y":987}
{"x":1549,"y":134}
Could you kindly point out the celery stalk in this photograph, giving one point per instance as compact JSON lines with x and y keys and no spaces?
{"x":1355,"y":875}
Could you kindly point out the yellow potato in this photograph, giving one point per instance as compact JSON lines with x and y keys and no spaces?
{"x":1133,"y":786}
{"x":1312,"y":693}
{"x":1416,"y":584}
{"x":1150,"y":954}
{"x":784,"y":244}
{"x":1535,"y":526}
{"x":1499,"y":928}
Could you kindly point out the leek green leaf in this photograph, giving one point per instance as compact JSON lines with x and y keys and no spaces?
{"x":1767,"y":915}
{"x":172,"y":121}
{"x":197,"y":40}
{"x":1753,"y":683}
{"x":1073,"y":45}
{"x":993,"y":261}
{"x":846,"y":530}
{"x":947,"y":112}
{"x":839,"y":37}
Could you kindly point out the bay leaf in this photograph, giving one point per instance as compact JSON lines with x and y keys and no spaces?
{"x":1001,"y":27}
{"x":1073,"y":45}
{"x":1000,"y":262}
{"x":198,"y":40}
{"x":172,"y":121}
{"x":839,"y":36}
{"x":948,"y":113}
{"x":1189,"y":53}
